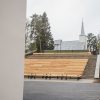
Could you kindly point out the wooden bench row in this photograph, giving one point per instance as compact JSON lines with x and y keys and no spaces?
{"x":54,"y":68}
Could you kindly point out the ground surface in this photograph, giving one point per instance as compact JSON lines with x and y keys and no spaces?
{"x":56,"y":90}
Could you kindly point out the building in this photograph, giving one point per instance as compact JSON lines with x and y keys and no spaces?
{"x":12,"y":43}
{"x":80,"y":44}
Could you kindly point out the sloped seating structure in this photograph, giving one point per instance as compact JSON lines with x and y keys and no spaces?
{"x":55,"y":67}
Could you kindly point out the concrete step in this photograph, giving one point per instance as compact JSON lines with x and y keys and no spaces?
{"x":90,"y":68}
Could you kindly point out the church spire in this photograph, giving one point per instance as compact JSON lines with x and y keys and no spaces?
{"x":82,"y":28}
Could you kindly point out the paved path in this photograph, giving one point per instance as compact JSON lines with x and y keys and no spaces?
{"x":54,"y":90}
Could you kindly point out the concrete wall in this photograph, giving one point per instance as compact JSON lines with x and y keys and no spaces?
{"x":12,"y":31}
{"x":97,"y":69}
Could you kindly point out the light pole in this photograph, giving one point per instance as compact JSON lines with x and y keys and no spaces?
{"x":60,"y":45}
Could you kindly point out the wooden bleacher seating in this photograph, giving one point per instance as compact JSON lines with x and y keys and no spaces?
{"x":55,"y":67}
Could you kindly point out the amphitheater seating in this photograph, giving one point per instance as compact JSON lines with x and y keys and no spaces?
{"x":55,"y":67}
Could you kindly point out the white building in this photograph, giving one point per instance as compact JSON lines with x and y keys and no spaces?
{"x":80,"y":44}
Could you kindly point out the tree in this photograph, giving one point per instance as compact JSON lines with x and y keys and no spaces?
{"x":92,"y":43}
{"x":35,"y":35}
{"x":98,"y":43}
{"x":32,"y":47}
{"x":47,"y":39}
{"x":41,"y":33}
{"x":27,"y":40}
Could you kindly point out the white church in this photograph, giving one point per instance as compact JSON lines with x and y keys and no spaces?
{"x":80,"y":44}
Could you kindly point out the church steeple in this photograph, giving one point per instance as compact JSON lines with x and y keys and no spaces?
{"x":82,"y":29}
{"x":82,"y":36}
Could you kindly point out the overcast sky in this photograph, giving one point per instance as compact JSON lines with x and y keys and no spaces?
{"x":65,"y":16}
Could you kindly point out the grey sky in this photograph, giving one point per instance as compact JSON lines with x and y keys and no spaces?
{"x":65,"y":16}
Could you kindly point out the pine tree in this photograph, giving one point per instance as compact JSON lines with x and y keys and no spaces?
{"x":92,"y":43}
{"x":47,"y":39}
{"x":41,"y":33}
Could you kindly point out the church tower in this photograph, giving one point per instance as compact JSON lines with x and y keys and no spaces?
{"x":83,"y":37}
